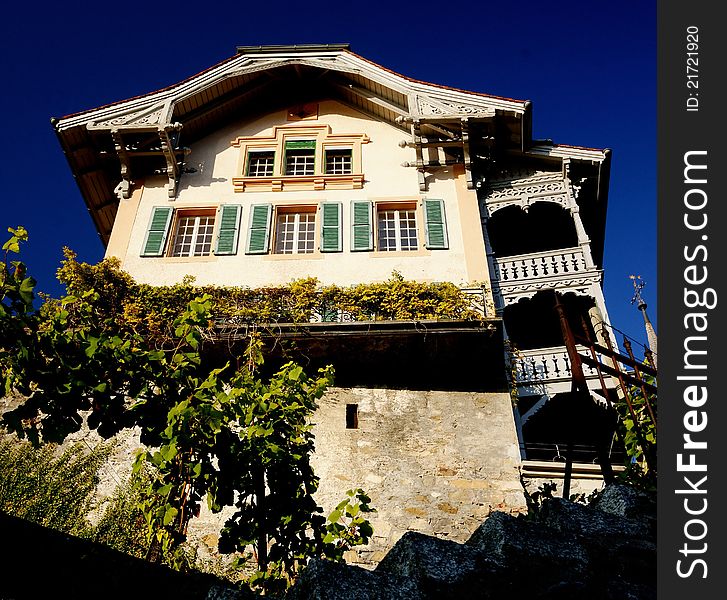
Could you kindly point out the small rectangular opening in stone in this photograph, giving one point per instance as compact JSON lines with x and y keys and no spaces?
{"x":351,"y":416}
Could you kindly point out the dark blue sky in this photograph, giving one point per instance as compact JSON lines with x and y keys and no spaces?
{"x":589,"y":69}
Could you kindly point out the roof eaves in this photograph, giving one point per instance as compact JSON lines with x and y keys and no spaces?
{"x":569,"y":151}
{"x":148,"y":94}
{"x":440,"y":86}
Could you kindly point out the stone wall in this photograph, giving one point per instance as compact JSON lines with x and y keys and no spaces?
{"x":433,"y":462}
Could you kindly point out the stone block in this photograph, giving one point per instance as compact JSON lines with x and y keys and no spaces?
{"x":448,"y":508}
{"x":327,"y":580}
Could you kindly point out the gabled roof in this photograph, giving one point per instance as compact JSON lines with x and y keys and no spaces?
{"x":107,"y":147}
{"x":364,"y":83}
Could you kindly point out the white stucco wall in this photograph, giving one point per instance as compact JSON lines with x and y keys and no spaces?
{"x":385,"y":180}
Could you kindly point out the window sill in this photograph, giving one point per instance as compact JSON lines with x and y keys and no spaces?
{"x":298,"y":182}
{"x":185,"y":259}
{"x":399,"y":253}
{"x":309,"y":256}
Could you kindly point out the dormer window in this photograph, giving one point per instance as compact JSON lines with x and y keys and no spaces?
{"x":300,"y":157}
{"x":260,"y":163}
{"x":339,"y":161}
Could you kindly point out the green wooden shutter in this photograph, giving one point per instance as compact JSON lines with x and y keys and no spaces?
{"x":229,"y":216}
{"x":362,"y":237}
{"x":436,"y":224}
{"x":259,"y":233}
{"x":301,"y":145}
{"x":156,"y":235}
{"x":331,"y":238}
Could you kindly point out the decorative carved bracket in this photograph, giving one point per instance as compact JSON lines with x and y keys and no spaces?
{"x":168,"y":152}
{"x":123,"y":190}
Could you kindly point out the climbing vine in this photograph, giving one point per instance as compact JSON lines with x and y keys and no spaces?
{"x":117,"y":355}
{"x":151,"y":310}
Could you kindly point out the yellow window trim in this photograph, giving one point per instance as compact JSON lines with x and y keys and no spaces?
{"x":324,"y":138}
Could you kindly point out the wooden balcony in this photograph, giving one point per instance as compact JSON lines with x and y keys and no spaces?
{"x":546,"y":365}
{"x":526,"y":274}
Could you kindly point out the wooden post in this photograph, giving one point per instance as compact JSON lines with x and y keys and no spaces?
{"x":579,"y":388}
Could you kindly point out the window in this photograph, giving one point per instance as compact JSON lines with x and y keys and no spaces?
{"x":300,"y":157}
{"x":260,"y":163}
{"x":295,"y":232}
{"x":190,"y":231}
{"x":351,"y":416}
{"x":397,"y":228}
{"x":193,"y":233}
{"x":339,"y":161}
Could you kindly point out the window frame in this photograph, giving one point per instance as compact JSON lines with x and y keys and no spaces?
{"x":305,"y":152}
{"x":347,"y":149}
{"x":197,"y":214}
{"x":248,"y":166}
{"x":397,"y":208}
{"x":297,"y":210}
{"x":323,"y":138}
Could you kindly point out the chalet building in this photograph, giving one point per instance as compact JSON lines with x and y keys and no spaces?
{"x":285,"y":162}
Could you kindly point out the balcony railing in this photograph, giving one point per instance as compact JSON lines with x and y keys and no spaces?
{"x":550,"y":263}
{"x":546,"y":365}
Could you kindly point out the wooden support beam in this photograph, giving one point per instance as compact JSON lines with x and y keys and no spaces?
{"x":616,"y":373}
{"x":448,"y":144}
{"x":644,"y":368}
{"x":466,"y":148}
{"x":373,"y":98}
{"x":416,"y":135}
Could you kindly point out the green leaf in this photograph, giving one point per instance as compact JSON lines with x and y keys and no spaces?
{"x":92,"y":346}
{"x":26,"y":290}
{"x":168,"y":452}
{"x":335,"y":516}
{"x":169,"y":515}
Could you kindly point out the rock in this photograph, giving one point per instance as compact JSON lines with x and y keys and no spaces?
{"x":531,"y":549}
{"x":443,"y":569}
{"x":577,"y":519}
{"x":625,"y":501}
{"x":327,"y":580}
{"x":220,"y":592}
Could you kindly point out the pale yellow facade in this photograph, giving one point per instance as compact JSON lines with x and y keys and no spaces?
{"x":220,"y":158}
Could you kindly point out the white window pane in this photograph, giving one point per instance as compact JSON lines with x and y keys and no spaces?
{"x":299,"y":162}
{"x":397,"y":230}
{"x":260,"y":164}
{"x":295,"y":233}
{"x":338,"y":162}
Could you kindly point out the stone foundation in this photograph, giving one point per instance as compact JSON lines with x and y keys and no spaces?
{"x":433,"y":462}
